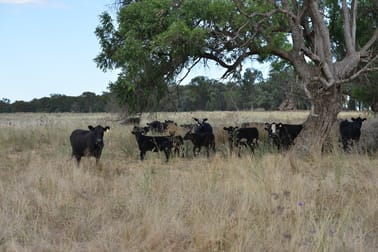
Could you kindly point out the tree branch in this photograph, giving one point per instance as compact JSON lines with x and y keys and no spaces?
{"x":354,"y":22}
{"x":371,"y":41}
{"x":282,"y":54}
{"x":322,"y":38}
{"x":347,"y":29}
{"x":364,"y":69}
{"x":190,"y":69}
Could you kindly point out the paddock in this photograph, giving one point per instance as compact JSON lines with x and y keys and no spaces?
{"x":262,"y":201}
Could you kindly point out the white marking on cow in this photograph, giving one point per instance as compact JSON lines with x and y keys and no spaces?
{"x":274,"y":128}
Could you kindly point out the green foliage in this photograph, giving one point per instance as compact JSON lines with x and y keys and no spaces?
{"x":366,"y":23}
{"x":365,"y":90}
{"x":155,"y":40}
{"x":86,"y":102}
{"x":5,"y":105}
{"x":248,"y":92}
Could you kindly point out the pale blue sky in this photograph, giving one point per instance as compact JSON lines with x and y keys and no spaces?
{"x":48,"y":46}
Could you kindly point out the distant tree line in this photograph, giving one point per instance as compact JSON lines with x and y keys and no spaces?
{"x":250,"y":91}
{"x":85,"y":103}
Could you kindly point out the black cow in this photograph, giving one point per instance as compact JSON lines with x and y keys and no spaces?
{"x":274,"y":137}
{"x":88,"y":142}
{"x":201,"y":139}
{"x":350,"y":131}
{"x":202,"y":126}
{"x":156,"y":126}
{"x":142,"y":130}
{"x":152,"y":143}
{"x":283,"y":135}
{"x":242,"y":136}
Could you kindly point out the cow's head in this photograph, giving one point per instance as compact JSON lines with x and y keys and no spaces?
{"x":140,"y":130}
{"x":189,"y":135}
{"x":268,"y":127}
{"x":358,"y":121}
{"x":168,"y":122}
{"x":200,"y":121}
{"x":98,"y":133}
{"x":230,"y":130}
{"x":273,"y":129}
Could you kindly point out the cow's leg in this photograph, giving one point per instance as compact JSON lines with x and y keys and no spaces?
{"x":98,"y":156}
{"x":175,"y":152}
{"x":182,"y":149}
{"x":142,"y":153}
{"x":344,"y":141}
{"x":167,"y":153}
{"x":251,"y":146}
{"x":78,"y":158}
{"x":239,"y":149}
{"x":194,"y":150}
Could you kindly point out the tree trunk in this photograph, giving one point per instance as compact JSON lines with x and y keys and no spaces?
{"x":326,"y":104}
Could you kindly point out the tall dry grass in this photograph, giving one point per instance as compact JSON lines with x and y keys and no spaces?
{"x":262,"y":202}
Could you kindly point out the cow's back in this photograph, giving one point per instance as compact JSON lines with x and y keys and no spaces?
{"x":350,"y":130}
{"x":247,"y":133}
{"x":294,"y":129}
{"x":203,"y":128}
{"x":79,"y":139}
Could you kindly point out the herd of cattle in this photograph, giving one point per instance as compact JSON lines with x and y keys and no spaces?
{"x":90,"y":142}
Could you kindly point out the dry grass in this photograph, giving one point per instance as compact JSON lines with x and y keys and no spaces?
{"x":265,"y":202}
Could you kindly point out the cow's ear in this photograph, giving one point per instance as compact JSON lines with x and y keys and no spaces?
{"x":363,"y":119}
{"x":107,"y":128}
{"x":90,"y":127}
{"x":204,"y":120}
{"x":195,"y":119}
{"x":353,"y":119}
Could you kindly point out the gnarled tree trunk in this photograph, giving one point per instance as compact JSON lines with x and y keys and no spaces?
{"x":326,"y":105}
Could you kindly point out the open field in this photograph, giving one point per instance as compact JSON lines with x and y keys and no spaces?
{"x":261,"y":202}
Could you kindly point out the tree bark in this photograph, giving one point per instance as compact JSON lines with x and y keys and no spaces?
{"x":326,"y":106}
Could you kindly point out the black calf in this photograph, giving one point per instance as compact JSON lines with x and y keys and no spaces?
{"x":201,"y":139}
{"x":88,"y":142}
{"x":152,"y":143}
{"x":202,"y":126}
{"x":283,"y":135}
{"x":156,"y":126}
{"x":237,"y":135}
{"x":350,"y":131}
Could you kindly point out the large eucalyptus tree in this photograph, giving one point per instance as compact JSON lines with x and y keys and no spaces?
{"x":153,"y":41}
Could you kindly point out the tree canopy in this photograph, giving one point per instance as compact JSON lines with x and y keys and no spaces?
{"x":153,"y":41}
